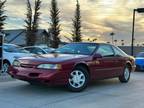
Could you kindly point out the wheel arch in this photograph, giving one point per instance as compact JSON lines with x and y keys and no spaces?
{"x":6,"y":61}
{"x":83,"y":65}
{"x":129,"y":65}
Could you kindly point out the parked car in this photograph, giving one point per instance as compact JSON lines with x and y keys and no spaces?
{"x":38,"y":49}
{"x":75,"y":65}
{"x":11,"y":52}
{"x":139,"y":61}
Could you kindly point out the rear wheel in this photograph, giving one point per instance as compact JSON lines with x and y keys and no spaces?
{"x":126,"y":75}
{"x":78,"y":79}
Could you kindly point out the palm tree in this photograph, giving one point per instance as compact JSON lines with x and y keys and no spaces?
{"x":115,"y":41}
{"x":94,"y":40}
{"x":88,"y":39}
{"x":112,"y":35}
{"x":122,"y":42}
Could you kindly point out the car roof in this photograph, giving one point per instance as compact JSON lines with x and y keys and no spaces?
{"x":10,"y":44}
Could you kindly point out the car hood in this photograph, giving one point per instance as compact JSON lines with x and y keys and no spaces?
{"x":53,"y":57}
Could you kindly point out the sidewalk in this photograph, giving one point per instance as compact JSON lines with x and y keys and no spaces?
{"x":5,"y":77}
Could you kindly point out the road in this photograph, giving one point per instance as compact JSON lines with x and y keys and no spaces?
{"x":99,"y":94}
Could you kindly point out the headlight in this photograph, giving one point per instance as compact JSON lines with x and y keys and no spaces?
{"x":49,"y":66}
{"x":16,"y":63}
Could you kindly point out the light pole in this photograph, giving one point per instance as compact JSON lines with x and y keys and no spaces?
{"x":112,"y":34}
{"x":139,"y":10}
{"x":1,"y":51}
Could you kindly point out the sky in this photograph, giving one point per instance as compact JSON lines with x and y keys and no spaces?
{"x":99,"y":18}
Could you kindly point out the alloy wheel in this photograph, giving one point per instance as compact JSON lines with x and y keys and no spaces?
{"x":77,"y":79}
{"x":126,"y":73}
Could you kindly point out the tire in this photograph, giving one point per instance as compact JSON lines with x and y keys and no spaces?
{"x":5,"y":67}
{"x":126,"y":75}
{"x":78,"y":79}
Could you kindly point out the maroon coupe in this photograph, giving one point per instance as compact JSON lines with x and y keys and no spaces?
{"x":75,"y":65}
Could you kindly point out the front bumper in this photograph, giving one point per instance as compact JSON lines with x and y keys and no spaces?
{"x":49,"y":77}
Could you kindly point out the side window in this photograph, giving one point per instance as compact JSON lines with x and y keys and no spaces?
{"x":119,"y":52}
{"x":105,"y":51}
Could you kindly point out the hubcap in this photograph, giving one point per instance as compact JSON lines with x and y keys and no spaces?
{"x":5,"y":67}
{"x":77,"y":79}
{"x":126,"y":73}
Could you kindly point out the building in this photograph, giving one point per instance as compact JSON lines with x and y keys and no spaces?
{"x":18,"y":37}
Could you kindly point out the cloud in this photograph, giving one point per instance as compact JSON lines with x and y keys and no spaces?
{"x":99,"y":17}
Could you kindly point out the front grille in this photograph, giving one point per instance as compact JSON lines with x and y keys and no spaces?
{"x":34,"y":74}
{"x":27,"y":66}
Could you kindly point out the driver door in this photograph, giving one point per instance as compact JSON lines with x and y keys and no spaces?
{"x":107,"y":64}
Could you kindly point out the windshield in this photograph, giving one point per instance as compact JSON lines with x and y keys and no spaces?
{"x":14,"y":49}
{"x":140,"y":55}
{"x":77,"y":48}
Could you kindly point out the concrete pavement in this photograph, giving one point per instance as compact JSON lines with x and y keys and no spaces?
{"x":100,"y":94}
{"x":5,"y":78}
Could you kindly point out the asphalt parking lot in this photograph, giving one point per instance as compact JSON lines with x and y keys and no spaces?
{"x":99,"y":94}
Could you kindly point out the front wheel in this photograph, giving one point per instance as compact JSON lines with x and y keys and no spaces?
{"x":78,"y":79}
{"x":126,"y":75}
{"x":5,"y":67}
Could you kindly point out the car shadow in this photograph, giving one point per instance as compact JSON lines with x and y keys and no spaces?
{"x":139,"y":71}
{"x":44,"y":89}
{"x":41,"y":88}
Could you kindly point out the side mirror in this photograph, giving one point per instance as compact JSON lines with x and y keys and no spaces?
{"x":96,"y":56}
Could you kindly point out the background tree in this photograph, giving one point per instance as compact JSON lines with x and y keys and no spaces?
{"x":36,"y":18}
{"x":32,"y":22}
{"x":76,"y":32}
{"x":28,"y":25}
{"x":55,"y":26}
{"x":2,"y":16}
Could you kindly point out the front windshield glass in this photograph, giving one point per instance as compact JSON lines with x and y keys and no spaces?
{"x":77,"y":48}
{"x":140,"y":55}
